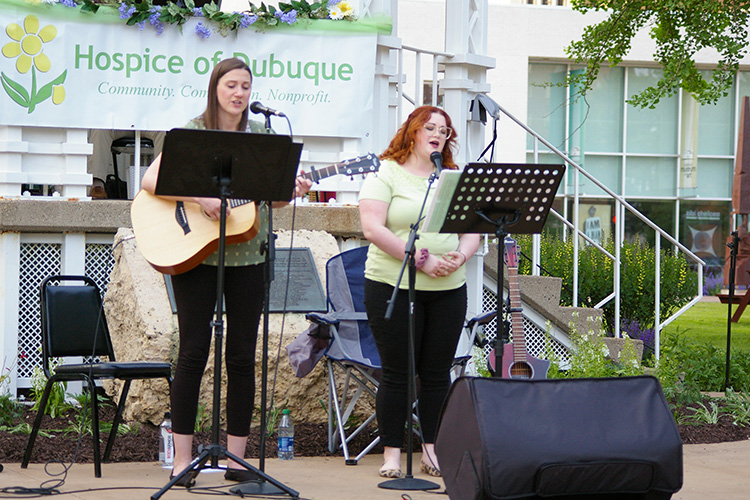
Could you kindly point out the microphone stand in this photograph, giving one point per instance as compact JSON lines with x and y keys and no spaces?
{"x":409,"y":482}
{"x":733,"y":249}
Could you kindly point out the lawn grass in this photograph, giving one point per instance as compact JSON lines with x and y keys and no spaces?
{"x":707,"y":322}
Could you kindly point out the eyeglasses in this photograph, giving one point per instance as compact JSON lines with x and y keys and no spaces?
{"x":445,"y":132}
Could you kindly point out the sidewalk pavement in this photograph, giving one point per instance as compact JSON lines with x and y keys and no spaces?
{"x":714,"y":471}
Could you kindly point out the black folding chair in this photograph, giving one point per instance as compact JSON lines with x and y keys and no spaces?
{"x":73,"y":324}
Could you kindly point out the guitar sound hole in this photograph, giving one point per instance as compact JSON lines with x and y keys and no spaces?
{"x":520,"y":370}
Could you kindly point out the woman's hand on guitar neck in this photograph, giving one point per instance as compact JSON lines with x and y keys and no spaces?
{"x":302,"y":186}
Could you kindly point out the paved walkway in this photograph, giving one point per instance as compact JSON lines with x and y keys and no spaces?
{"x":716,"y":471}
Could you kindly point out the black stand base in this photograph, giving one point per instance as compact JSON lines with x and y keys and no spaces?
{"x":257,"y":487}
{"x":408,"y":483}
{"x":214,"y":452}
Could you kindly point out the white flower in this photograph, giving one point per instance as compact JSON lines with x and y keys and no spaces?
{"x":335,"y":13}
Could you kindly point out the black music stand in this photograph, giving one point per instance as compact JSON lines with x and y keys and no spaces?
{"x":199,"y":163}
{"x":495,"y":198}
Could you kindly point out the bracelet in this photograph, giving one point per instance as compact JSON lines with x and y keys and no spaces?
{"x":465,"y":257}
{"x":422,"y":259}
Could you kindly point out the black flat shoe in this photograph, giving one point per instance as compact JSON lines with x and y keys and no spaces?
{"x":186,"y":481}
{"x":240,"y":475}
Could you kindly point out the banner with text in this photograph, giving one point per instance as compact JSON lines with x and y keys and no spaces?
{"x":82,"y":74}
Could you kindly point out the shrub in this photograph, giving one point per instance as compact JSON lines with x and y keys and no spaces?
{"x":596,"y":277}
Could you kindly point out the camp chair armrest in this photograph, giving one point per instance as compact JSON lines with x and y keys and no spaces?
{"x":322,"y":318}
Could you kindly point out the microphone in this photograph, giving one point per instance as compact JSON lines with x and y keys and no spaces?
{"x":437,"y":159}
{"x":257,"y":108}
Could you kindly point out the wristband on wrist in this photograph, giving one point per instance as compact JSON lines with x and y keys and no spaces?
{"x":464,"y":255}
{"x":422,"y":258}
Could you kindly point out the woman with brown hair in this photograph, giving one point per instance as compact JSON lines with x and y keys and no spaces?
{"x":389,"y":204}
{"x":244,"y":292}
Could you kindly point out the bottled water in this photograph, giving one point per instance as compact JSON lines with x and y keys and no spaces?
{"x":166,"y":443}
{"x":286,"y":436}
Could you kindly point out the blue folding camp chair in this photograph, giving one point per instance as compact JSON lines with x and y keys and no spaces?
{"x":351,"y":355}
{"x":352,"y":358}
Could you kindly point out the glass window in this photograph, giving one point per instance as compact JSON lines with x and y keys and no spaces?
{"x":715,"y":178}
{"x":662,"y":213}
{"x":652,"y":131}
{"x":605,"y":102}
{"x":743,"y":80}
{"x":546,"y":104}
{"x":605,"y":169}
{"x":704,"y":229}
{"x":716,"y":125}
{"x":650,"y":176}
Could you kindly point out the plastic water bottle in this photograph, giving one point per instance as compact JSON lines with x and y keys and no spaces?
{"x":166,"y":443}
{"x":286,"y":436}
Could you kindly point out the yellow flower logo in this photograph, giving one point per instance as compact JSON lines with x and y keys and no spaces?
{"x":27,"y":47}
{"x":27,"y":44}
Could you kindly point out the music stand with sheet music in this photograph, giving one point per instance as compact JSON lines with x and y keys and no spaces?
{"x":494,"y":198}
{"x":199,"y":163}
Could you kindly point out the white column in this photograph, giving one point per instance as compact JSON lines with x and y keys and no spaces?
{"x":12,"y":148}
{"x":73,"y":259}
{"x":465,"y":77}
{"x":10,"y":244}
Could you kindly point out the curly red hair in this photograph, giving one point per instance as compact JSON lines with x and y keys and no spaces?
{"x":402,"y":144}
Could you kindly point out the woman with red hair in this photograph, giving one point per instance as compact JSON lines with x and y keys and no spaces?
{"x":389,"y":204}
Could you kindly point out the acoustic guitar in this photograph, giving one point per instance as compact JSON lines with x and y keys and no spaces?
{"x":176,"y":236}
{"x":517,"y":362}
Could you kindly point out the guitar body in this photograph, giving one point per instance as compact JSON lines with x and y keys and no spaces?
{"x":168,"y":247}
{"x":174,"y":237}
{"x":530,"y":368}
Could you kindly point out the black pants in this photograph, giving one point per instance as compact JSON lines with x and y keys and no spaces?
{"x":439,"y":319}
{"x":195,"y":294}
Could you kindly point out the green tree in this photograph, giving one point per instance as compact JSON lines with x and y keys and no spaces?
{"x":680,"y":29}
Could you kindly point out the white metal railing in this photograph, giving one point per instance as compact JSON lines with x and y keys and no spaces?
{"x":620,"y":203}
{"x":620,"y":206}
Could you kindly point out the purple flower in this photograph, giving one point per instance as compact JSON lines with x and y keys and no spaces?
{"x":202,"y":30}
{"x":126,"y":11}
{"x":69,"y":3}
{"x":712,"y":283}
{"x":635,"y":331}
{"x":154,"y":21}
{"x":141,"y":25}
{"x":332,"y":3}
{"x":198,"y":11}
{"x":287,"y":17}
{"x":247,"y":19}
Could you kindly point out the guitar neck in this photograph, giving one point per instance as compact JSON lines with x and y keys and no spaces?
{"x":355,"y":166}
{"x":516,"y":315}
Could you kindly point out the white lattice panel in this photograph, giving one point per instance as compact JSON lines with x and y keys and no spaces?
{"x":536,"y":338}
{"x":38,"y":261}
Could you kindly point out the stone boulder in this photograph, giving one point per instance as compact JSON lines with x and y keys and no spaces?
{"x":144,"y":327}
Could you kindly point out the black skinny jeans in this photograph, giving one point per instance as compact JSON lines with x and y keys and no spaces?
{"x":439,"y":319}
{"x":195,"y":294}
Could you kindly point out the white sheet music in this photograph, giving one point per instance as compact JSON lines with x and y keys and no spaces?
{"x":440,"y":204}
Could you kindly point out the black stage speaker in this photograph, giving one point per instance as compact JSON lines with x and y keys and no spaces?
{"x":582,"y":439}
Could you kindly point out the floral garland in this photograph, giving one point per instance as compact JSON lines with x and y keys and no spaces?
{"x":142,"y":12}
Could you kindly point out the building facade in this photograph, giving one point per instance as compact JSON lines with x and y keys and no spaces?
{"x":674,"y":163}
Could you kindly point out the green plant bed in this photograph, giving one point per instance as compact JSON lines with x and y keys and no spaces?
{"x":707,"y":322}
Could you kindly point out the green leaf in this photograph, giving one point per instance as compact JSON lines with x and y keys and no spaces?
{"x":46,"y":91}
{"x":89,"y":6}
{"x":16,"y":91}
